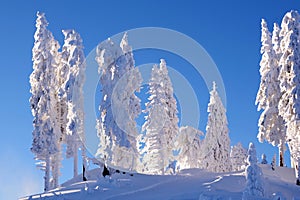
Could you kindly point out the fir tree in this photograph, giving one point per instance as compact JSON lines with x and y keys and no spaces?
{"x":44,"y":55}
{"x":289,"y":76}
{"x":161,"y":123}
{"x":73,"y":69}
{"x":216,"y":147}
{"x":271,"y":124}
{"x":119,"y":107}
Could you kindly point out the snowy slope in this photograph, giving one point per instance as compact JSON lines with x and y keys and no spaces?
{"x":187,"y":185}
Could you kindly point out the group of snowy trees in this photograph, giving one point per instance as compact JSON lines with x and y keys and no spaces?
{"x":122,"y":147}
{"x":162,"y":148}
{"x":56,"y":101}
{"x":279,"y":90}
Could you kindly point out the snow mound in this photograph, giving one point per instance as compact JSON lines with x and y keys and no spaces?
{"x":189,"y":184}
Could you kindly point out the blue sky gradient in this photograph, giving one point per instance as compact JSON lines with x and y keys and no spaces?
{"x":228,"y":30}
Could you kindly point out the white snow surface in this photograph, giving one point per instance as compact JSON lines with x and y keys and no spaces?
{"x":187,"y":185}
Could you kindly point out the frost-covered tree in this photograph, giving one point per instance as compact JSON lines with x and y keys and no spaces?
{"x":161,"y":125}
{"x":289,"y":76}
{"x":155,"y":141}
{"x":271,"y":124}
{"x":264,"y":159}
{"x":119,"y":106}
{"x":254,"y":184}
{"x":188,"y":143}
{"x":73,"y":70}
{"x":216,"y":147}
{"x":238,"y":157}
{"x":126,"y":106}
{"x":44,"y":55}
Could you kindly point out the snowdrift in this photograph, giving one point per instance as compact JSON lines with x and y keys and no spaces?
{"x":190,"y":184}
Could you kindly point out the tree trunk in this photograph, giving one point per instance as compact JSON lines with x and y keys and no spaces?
{"x":75,"y":164}
{"x":47,"y":173}
{"x":281,"y":155}
{"x":298,"y":172}
{"x":84,"y":163}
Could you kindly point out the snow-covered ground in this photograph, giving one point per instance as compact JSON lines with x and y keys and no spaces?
{"x":188,"y":184}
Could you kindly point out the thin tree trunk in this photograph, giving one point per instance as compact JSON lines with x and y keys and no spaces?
{"x":47,"y":173}
{"x":75,"y":171}
{"x":298,"y":172}
{"x":281,"y":154}
{"x":84,"y":163}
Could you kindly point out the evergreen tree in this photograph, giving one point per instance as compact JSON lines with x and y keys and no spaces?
{"x":216,"y":147}
{"x":73,"y":69}
{"x":155,"y":141}
{"x":264,"y":159}
{"x":126,"y":106}
{"x":188,"y":142}
{"x":254,"y":185}
{"x":161,"y":123}
{"x":289,"y":76}
{"x":238,"y":157}
{"x":45,"y":138}
{"x":271,"y":124}
{"x":119,"y":106}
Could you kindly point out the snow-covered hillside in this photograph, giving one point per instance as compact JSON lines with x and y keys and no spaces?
{"x":188,"y":184}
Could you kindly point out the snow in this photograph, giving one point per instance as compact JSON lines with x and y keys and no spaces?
{"x":188,"y":184}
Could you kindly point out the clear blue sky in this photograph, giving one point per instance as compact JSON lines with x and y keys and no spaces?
{"x":228,"y":30}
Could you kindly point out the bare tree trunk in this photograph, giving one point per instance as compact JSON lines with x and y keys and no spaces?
{"x":75,"y":164}
{"x":47,"y":173}
{"x":281,"y":154}
{"x":298,"y":172}
{"x":84,"y":163}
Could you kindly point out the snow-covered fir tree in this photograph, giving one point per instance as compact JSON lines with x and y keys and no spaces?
{"x":44,"y":55}
{"x":73,"y":71}
{"x":155,"y":141}
{"x":289,"y":76}
{"x":238,"y":157}
{"x":216,"y":145}
{"x":264,"y":159}
{"x":188,"y":143}
{"x":116,"y":128}
{"x":161,"y":125}
{"x":271,"y":124}
{"x":254,"y":184}
{"x":126,"y":105}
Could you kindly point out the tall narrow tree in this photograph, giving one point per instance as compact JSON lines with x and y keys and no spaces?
{"x":216,"y":147}
{"x":289,"y":76}
{"x":44,"y":53}
{"x":161,"y":122}
{"x":155,"y":140}
{"x":73,"y":61}
{"x":119,"y":106}
{"x":126,"y":106}
{"x":271,"y":124}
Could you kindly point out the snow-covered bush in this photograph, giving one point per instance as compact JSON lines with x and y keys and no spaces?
{"x":238,"y":157}
{"x":189,"y":145}
{"x":254,"y":184}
